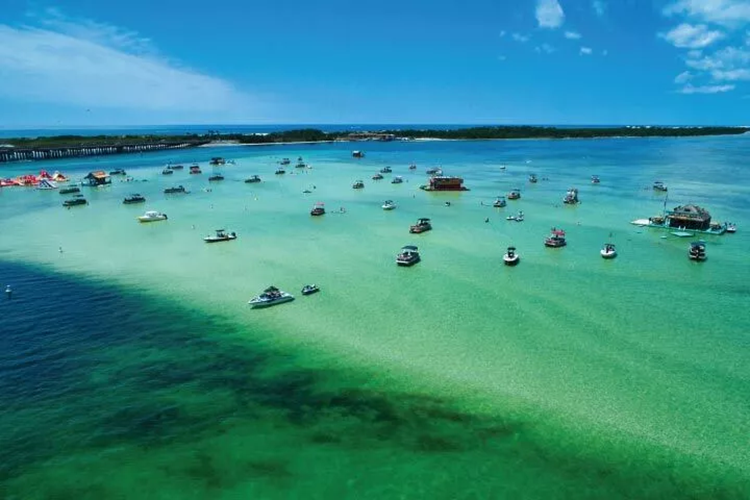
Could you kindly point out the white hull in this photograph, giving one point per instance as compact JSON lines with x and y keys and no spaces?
{"x":389,"y":207}
{"x":511,"y":261}
{"x":258,"y":303}
{"x":608,"y":255}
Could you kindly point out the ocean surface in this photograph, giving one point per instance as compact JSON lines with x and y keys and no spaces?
{"x":131,"y":365}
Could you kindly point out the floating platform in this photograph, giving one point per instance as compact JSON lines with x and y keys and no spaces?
{"x":683,"y":232}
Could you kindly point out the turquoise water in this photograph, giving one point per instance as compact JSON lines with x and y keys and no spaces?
{"x":133,"y":361}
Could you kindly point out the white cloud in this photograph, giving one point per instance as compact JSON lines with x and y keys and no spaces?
{"x":572,"y":35}
{"x":691,"y":36}
{"x":501,"y":58}
{"x":545,"y":47}
{"x":683,"y":77}
{"x":599,"y":7}
{"x":725,"y":12}
{"x":694,"y":54}
{"x":585,"y":51}
{"x":549,"y":14}
{"x":502,"y":33}
{"x":88,"y":64}
{"x":605,"y":52}
{"x":726,"y":59}
{"x":731,"y":75}
{"x":519,"y":37}
{"x":705,"y":89}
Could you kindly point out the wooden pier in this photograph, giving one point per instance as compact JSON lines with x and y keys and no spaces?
{"x":9,"y":154}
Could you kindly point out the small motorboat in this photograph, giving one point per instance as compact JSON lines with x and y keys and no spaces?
{"x":595,"y":179}
{"x":437,"y":171}
{"x":70,"y":190}
{"x":413,"y":166}
{"x":571,"y":197}
{"x":518,"y":217}
{"x":175,"y":167}
{"x":500,"y":202}
{"x":511,"y":258}
{"x":271,"y":296}
{"x":358,"y":154}
{"x":556,"y":239}
{"x":217,"y":160}
{"x":167,"y":171}
{"x":389,"y":205}
{"x":514,"y":194}
{"x":502,"y":167}
{"x":731,"y":227}
{"x":285,"y":161}
{"x":280,"y":171}
{"x":533,"y":179}
{"x":175,"y":190}
{"x":221,"y":235}
{"x":408,"y":256}
{"x":697,"y":251}
{"x":195,"y":169}
{"x":152,"y":216}
{"x":421,"y":226}
{"x":252,"y":179}
{"x":358,"y":185}
{"x":397,"y":180}
{"x":118,"y":171}
{"x":377,"y":177}
{"x":134,"y":198}
{"x":659,"y":186}
{"x":217,"y":177}
{"x":75,"y":201}
{"x":608,"y":251}
{"x":386,"y":170}
{"x":300,"y":164}
{"x":310,"y":289}
{"x":318,"y":209}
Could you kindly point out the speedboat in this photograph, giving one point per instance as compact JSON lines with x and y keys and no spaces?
{"x":175,"y":167}
{"x":397,"y":180}
{"x":412,"y":166}
{"x":511,"y":258}
{"x":221,"y":235}
{"x":175,"y":190}
{"x":533,"y":179}
{"x":118,"y":171}
{"x":500,"y":202}
{"x":70,"y":190}
{"x":358,"y":185}
{"x":252,"y":179}
{"x":217,"y":160}
{"x":285,"y":161}
{"x":386,"y":170}
{"x":556,"y":239}
{"x":134,"y":198}
{"x":408,"y":256}
{"x":595,"y":179}
{"x":731,"y":227}
{"x":75,"y":201}
{"x":358,"y":154}
{"x":421,"y":226}
{"x":514,"y":194}
{"x":152,"y":216}
{"x":167,"y":171}
{"x":434,"y":171}
{"x":318,"y":209}
{"x":271,"y":296}
{"x":608,"y":251}
{"x":377,"y":177}
{"x":389,"y":205}
{"x":697,"y":251}
{"x":310,"y":289}
{"x":571,"y":197}
{"x":195,"y":169}
{"x":217,"y":177}
{"x":518,"y":217}
{"x":280,"y":171}
{"x":300,"y":164}
{"x":659,"y":186}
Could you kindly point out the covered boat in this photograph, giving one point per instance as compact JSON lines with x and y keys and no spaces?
{"x":397,"y":180}
{"x":595,"y":179}
{"x":389,"y":205}
{"x":195,"y":169}
{"x":167,"y":171}
{"x":515,"y":194}
{"x":217,"y":160}
{"x":386,"y":170}
{"x":221,"y":235}
{"x":271,"y":296}
{"x":442,"y":183}
{"x":556,"y":239}
{"x":358,"y":154}
{"x":659,"y":186}
{"x":377,"y":177}
{"x":571,"y":197}
{"x":310,"y":289}
{"x":70,"y":190}
{"x":500,"y":202}
{"x":533,"y":179}
{"x":280,"y":171}
{"x":408,"y":256}
{"x":608,"y":251}
{"x":697,"y":251}
{"x":216,"y":177}
{"x":358,"y":185}
{"x":175,"y":190}
{"x":152,"y":216}
{"x":318,"y":209}
{"x":75,"y":201}
{"x":252,"y":179}
{"x":511,"y":258}
{"x":423,"y":224}
{"x":134,"y":198}
{"x":118,"y":171}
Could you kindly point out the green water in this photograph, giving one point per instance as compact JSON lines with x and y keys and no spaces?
{"x":565,"y":377}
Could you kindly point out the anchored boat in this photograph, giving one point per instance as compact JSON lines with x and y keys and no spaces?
{"x":221,"y":235}
{"x":408,"y":256}
{"x":511,"y":258}
{"x":271,"y":296}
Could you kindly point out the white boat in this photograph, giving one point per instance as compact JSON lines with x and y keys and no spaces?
{"x":518,"y":217}
{"x":397,"y":180}
{"x":408,"y":256}
{"x":389,"y":205}
{"x":271,"y":296}
{"x":221,"y":235}
{"x":46,"y":185}
{"x":697,"y":251}
{"x":152,"y":216}
{"x":731,"y":227}
{"x":511,"y":258}
{"x":500,"y":202}
{"x":608,"y":251}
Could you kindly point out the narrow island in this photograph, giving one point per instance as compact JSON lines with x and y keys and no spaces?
{"x":65,"y":146}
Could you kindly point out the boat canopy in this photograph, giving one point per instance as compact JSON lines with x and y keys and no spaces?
{"x":411,"y":248}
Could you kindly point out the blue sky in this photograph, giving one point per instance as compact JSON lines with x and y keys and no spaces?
{"x":87,"y":62}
